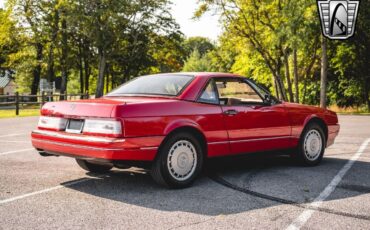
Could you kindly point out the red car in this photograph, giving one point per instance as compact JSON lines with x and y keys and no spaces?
{"x":173,"y":122}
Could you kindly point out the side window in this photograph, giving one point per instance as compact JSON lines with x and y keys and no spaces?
{"x":236,"y":92}
{"x":209,"y":94}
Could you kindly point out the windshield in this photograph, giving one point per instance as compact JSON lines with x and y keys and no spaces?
{"x":163,"y":84}
{"x":263,"y":91}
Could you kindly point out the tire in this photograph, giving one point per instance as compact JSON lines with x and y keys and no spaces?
{"x":94,"y":167}
{"x":179,"y":161}
{"x":312,"y":145}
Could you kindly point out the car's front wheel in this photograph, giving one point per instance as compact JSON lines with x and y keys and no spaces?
{"x":179,"y":161}
{"x":94,"y":167}
{"x":312,"y":145}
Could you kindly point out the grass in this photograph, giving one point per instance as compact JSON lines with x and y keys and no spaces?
{"x":350,"y":110}
{"x":22,"y":113}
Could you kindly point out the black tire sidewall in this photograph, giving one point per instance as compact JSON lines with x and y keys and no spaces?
{"x":302,"y":156}
{"x":163,"y":155}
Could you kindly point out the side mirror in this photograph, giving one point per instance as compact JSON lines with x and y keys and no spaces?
{"x":267,"y":99}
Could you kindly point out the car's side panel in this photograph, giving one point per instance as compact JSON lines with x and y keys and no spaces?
{"x":257,"y":128}
{"x":163,"y":118}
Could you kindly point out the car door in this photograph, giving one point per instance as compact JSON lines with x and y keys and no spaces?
{"x":252,"y":124}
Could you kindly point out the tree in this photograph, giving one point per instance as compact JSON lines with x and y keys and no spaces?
{"x":106,"y":25}
{"x":9,"y":41}
{"x":324,"y":69}
{"x":201,"y":44}
{"x":197,"y":63}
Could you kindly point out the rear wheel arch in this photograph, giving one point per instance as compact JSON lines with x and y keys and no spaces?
{"x":191,"y":130}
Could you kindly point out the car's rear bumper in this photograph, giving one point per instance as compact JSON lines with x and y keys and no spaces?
{"x":333,"y":131}
{"x":76,"y":145}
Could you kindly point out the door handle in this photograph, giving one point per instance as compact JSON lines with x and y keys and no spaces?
{"x":231,"y":112}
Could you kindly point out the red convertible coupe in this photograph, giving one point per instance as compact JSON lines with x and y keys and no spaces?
{"x":173,"y":122}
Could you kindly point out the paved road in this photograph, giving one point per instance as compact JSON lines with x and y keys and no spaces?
{"x":266,"y":192}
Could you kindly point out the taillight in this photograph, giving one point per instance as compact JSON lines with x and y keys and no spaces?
{"x":53,"y":123}
{"x":103,"y":127}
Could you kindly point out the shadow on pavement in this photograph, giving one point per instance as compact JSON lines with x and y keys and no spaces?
{"x":275,"y":176}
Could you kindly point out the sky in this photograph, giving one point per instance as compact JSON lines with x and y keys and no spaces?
{"x":182,"y":11}
{"x":207,"y":26}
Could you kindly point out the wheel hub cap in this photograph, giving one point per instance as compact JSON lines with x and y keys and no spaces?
{"x":312,"y":145}
{"x":182,"y":160}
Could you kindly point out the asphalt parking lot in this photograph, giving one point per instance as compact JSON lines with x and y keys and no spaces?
{"x":269,"y":192}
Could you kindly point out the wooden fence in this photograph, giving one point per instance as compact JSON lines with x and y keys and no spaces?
{"x":19,"y":101}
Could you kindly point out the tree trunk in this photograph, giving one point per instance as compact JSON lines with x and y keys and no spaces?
{"x":367,"y":92}
{"x":275,"y":86}
{"x":295,"y":73}
{"x":279,"y":80}
{"x":112,"y":79}
{"x":85,"y":56}
{"x":107,"y":79}
{"x":81,"y":73}
{"x":81,"y":69}
{"x":64,"y":59}
{"x":37,"y":70}
{"x":100,"y":85}
{"x":304,"y":91}
{"x":287,"y":75}
{"x":50,"y":69}
{"x":324,"y":67}
{"x":281,"y":87}
{"x":54,"y":33}
{"x":87,"y":75}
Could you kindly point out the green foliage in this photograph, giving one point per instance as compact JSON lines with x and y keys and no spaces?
{"x":197,"y":63}
{"x":264,"y":35}
{"x":9,"y":40}
{"x":201,"y":44}
{"x":82,"y":41}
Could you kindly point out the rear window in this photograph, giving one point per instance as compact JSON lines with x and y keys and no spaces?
{"x":163,"y":84}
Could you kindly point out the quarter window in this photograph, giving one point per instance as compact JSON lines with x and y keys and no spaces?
{"x":209,"y":94}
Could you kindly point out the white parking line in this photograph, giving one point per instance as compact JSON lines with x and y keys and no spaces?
{"x":2,"y":141}
{"x":16,"y":151}
{"x":43,"y":191}
{"x":306,"y":215}
{"x":13,"y":135}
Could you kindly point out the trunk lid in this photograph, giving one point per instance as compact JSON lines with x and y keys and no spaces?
{"x":101,"y":107}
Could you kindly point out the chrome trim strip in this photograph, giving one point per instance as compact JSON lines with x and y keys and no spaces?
{"x":81,"y":137}
{"x":261,"y":139}
{"x":218,"y":142}
{"x":148,"y":148}
{"x":250,"y":140}
{"x":76,"y":146}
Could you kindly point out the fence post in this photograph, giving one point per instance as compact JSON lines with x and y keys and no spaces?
{"x":42,"y":98}
{"x":16,"y":103}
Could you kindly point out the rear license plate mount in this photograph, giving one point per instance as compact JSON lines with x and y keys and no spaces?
{"x":74,"y":126}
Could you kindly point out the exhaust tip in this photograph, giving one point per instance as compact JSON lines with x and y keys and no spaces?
{"x":44,"y":154}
